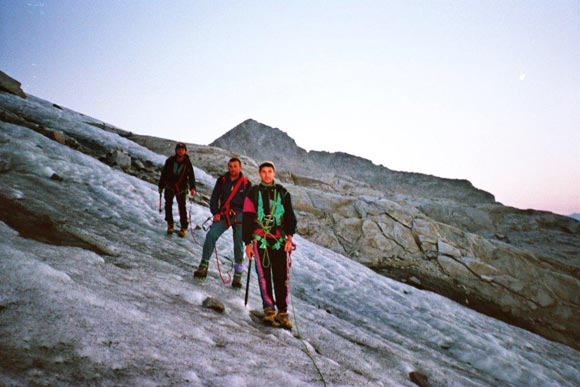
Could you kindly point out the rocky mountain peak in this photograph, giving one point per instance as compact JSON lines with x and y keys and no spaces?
{"x":262,"y":142}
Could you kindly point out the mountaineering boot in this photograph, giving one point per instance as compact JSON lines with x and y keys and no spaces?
{"x":270,"y":317}
{"x":201,"y":271}
{"x":181,"y":233}
{"x":283,"y":320}
{"x":237,"y":282}
{"x":238,"y":270}
{"x":169,"y":229}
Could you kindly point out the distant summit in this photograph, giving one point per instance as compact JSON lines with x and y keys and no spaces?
{"x":262,"y":142}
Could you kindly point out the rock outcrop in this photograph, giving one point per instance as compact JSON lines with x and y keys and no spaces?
{"x":10,"y":85}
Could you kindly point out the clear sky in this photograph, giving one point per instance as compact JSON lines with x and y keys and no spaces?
{"x":487,"y":91}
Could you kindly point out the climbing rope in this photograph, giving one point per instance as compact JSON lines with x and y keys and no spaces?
{"x":306,"y":349}
{"x":224,"y":281}
{"x":267,"y":223}
{"x":229,"y":279}
{"x":190,"y":224}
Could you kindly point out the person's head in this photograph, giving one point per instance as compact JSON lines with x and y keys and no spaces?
{"x":234,"y":167}
{"x":180,"y":149}
{"x":267,"y":172}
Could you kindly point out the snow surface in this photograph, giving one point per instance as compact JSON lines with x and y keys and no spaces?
{"x":133,"y":315}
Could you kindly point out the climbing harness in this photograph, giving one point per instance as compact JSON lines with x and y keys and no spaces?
{"x":267,"y":224}
{"x":270,"y":222}
{"x":182,"y":170}
{"x":209,"y":221}
{"x":226,"y":208}
{"x":227,"y":212}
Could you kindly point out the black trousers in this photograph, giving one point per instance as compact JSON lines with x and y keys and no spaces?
{"x":181,"y":200}
{"x":272,"y":269}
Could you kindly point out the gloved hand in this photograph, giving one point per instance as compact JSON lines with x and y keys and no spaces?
{"x":160,"y":190}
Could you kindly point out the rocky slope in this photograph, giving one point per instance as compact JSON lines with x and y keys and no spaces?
{"x":439,"y":234}
{"x":446,"y":236}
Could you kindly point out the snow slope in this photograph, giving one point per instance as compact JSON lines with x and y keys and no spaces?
{"x":128,"y":312}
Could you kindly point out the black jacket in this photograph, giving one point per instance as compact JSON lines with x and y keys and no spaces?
{"x":283,"y":221}
{"x":177,"y":176}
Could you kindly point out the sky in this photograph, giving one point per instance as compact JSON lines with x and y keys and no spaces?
{"x":133,"y":315}
{"x":484,"y":91}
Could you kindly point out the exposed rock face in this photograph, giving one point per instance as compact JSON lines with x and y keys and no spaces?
{"x":120,"y":158}
{"x":10,"y":85}
{"x":536,"y":291}
{"x":440,"y":234}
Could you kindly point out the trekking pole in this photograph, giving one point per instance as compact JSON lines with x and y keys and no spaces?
{"x":248,"y":282}
{"x":160,"y":208}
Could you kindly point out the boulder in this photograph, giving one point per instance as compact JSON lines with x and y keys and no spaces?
{"x":119,"y":158}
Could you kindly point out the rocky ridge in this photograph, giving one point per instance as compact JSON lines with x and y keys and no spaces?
{"x":262,"y":142}
{"x":522,"y":266}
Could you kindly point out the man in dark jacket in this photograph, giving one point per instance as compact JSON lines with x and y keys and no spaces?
{"x":225,"y":205}
{"x":269,"y":223}
{"x":177,"y":178}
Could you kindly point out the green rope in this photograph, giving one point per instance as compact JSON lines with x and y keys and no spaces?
{"x":266,"y":223}
{"x":265,"y":259}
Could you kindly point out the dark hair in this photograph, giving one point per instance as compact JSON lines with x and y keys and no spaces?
{"x":180,"y":145}
{"x":267,"y":164}
{"x":234,"y":159}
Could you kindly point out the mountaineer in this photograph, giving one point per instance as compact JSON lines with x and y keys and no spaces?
{"x":269,"y":223}
{"x":225,"y":205}
{"x":177,"y":178}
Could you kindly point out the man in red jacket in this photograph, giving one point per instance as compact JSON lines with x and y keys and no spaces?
{"x":225,"y":205}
